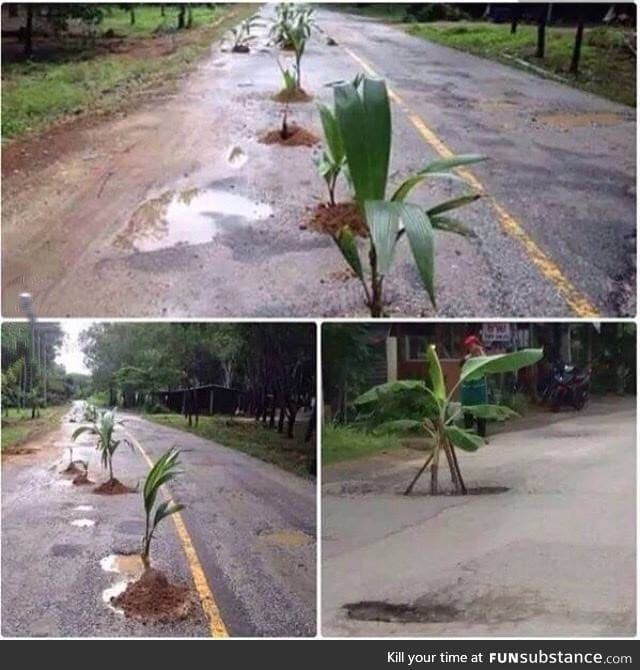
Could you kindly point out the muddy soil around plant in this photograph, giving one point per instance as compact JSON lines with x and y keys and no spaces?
{"x":113,"y":487}
{"x":295,"y":136}
{"x":154,"y":598}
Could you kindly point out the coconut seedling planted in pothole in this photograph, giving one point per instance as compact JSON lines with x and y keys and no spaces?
{"x":103,"y":428}
{"x":358,"y":137}
{"x":426,"y":408}
{"x":241,"y":35}
{"x":296,"y":31}
{"x":153,"y":596}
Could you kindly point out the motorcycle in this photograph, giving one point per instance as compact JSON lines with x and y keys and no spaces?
{"x":569,"y":387}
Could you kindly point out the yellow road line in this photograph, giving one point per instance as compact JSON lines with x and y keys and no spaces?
{"x":577,"y":302}
{"x":211,"y":611}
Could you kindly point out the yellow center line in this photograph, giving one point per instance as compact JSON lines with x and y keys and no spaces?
{"x":217,"y":628}
{"x":577,"y":302}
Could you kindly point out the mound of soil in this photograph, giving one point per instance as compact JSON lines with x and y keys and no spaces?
{"x":297,"y":95}
{"x":331,"y":219}
{"x":296,"y":137}
{"x":152,"y":597}
{"x":81,"y":479}
{"x":113,"y":487}
{"x":73,"y":469}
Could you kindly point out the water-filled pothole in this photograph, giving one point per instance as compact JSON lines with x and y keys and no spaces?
{"x":194,"y":216}
{"x":83,"y":523}
{"x":375,"y":610}
{"x":129,"y":567}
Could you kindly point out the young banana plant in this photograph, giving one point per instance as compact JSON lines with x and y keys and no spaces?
{"x":428,"y":409}
{"x":163,"y":471}
{"x":362,"y":116}
{"x":103,"y":428}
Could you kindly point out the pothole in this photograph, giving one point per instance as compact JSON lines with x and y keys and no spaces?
{"x":567,"y":120}
{"x":66,"y":550}
{"x":286,"y":537}
{"x":193,"y":216}
{"x":129,"y":567}
{"x":376,"y":610}
{"x":83,"y":523}
{"x":471,"y":491}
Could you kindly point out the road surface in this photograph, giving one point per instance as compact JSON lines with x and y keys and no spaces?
{"x":252,"y":526}
{"x":554,"y":555}
{"x":178,"y":209}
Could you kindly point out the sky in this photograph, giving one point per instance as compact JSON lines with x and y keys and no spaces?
{"x":71,"y":355}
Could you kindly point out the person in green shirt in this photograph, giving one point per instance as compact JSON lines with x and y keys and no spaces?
{"x":474,"y":392}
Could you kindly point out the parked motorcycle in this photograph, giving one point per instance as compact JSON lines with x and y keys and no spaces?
{"x":569,"y":387}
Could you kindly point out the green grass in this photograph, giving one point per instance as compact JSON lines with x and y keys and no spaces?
{"x":250,"y":437}
{"x":35,"y":94}
{"x":18,"y":428}
{"x":149,"y":19}
{"x":344,"y":443}
{"x":606,"y":68}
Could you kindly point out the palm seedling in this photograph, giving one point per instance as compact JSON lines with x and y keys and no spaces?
{"x":103,"y":428}
{"x":241,"y":35}
{"x":163,"y":471}
{"x":426,"y":408}
{"x":362,"y":122}
{"x":333,"y":160}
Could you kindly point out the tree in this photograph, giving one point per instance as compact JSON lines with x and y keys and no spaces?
{"x":545,"y":11}
{"x":577,"y":47}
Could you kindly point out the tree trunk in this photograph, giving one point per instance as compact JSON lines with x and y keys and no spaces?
{"x":281,"y":418}
{"x":181,"y":17}
{"x":577,"y":47}
{"x":189,"y":16}
{"x":542,"y":25}
{"x":132,"y":16}
{"x":415,"y":479}
{"x":28,"y":32}
{"x":162,"y":10}
{"x":434,"y":479}
{"x":312,"y":423}
{"x":291,"y":423}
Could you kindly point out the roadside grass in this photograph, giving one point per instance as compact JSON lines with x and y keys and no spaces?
{"x":606,"y":67}
{"x":344,"y":443}
{"x":38,"y":93}
{"x":249,"y":436}
{"x":18,"y":428}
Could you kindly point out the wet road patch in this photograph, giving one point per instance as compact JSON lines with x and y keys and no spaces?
{"x":188,"y":217}
{"x":287,"y":537}
{"x":568,"y":120}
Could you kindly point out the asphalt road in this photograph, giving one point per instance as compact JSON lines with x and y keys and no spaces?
{"x":554,"y":555}
{"x":178,"y":208}
{"x":252,"y":526}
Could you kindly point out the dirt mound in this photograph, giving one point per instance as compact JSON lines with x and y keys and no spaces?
{"x":152,"y":597}
{"x":296,"y":137}
{"x":331,"y":219}
{"x":297,"y":95}
{"x":113,"y":487}
{"x":73,"y":469}
{"x":81,"y":479}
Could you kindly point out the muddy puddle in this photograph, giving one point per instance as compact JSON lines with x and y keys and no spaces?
{"x":190,"y":217}
{"x":128,"y":567}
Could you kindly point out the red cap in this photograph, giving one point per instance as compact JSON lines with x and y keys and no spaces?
{"x":471,"y":339}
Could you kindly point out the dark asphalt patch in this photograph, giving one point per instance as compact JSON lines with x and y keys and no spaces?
{"x":131,"y":527}
{"x":66,"y":550}
{"x":373,"y":610}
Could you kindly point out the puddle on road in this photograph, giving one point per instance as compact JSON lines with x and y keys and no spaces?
{"x":83,"y":523}
{"x":129,"y":567}
{"x":83,"y":508}
{"x":194,"y":216}
{"x":567,"y":120}
{"x":287,"y":538}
